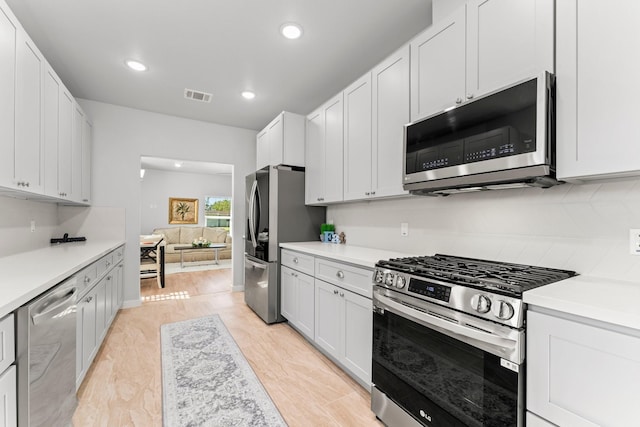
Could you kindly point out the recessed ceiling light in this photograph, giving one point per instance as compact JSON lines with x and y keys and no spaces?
{"x":247,"y":94}
{"x":135,"y":65}
{"x":291,"y":30}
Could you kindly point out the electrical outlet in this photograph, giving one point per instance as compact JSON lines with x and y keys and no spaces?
{"x":33,"y":226}
{"x":634,"y":241}
{"x":404,"y":229}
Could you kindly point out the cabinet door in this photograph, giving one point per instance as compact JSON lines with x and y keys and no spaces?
{"x":333,"y":143}
{"x":289,"y":295}
{"x":65,"y":127}
{"x":329,"y":318}
{"x":306,"y":305}
{"x":507,"y":41}
{"x":357,"y":139}
{"x":358,"y":334}
{"x":76,"y":153}
{"x":101,"y":296}
{"x":89,"y":339}
{"x":314,"y":158}
{"x":598,"y":87}
{"x":293,"y":139}
{"x":390,"y":90}
{"x":29,"y":93}
{"x":584,"y":375}
{"x":7,"y":99}
{"x":52,"y":90}
{"x":275,"y":140}
{"x":262,"y":150}
{"x":438,"y":63}
{"x":8,"y":398}
{"x":86,"y":161}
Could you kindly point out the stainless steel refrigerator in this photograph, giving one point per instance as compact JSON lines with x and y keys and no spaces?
{"x":276,"y":213}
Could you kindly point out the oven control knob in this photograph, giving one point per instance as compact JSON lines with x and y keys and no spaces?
{"x":481,"y":303}
{"x":379,"y":277}
{"x":388,"y":279}
{"x":400,"y":282}
{"x":503,"y":310}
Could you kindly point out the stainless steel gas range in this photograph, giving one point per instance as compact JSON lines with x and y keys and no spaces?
{"x":449,"y":340}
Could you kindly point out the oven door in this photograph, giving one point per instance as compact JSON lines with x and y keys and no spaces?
{"x":442,"y":367}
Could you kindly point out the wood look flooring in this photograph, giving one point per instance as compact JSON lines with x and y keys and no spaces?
{"x":124,"y":387}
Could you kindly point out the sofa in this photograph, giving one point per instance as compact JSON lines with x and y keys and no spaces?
{"x":185,"y":235}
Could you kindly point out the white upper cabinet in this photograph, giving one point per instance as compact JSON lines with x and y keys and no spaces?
{"x":483,"y":46}
{"x":376,"y":107}
{"x":76,"y":153}
{"x":281,"y":142}
{"x":324,"y":153}
{"x":597,"y":88}
{"x":65,"y":129}
{"x":51,"y":116}
{"x":390,"y":109}
{"x":438,"y":66}
{"x":87,"y":131}
{"x":357,"y":139}
{"x":29,"y":159}
{"x":7,"y":98}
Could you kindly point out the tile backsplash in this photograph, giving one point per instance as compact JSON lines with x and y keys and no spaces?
{"x":579,"y":227}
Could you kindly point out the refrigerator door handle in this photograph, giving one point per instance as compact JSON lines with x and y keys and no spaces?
{"x":255,"y":264}
{"x":252,"y":225}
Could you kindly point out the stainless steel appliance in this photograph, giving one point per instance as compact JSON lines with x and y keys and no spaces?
{"x":504,"y":139}
{"x":449,"y":340}
{"x":276,"y":213}
{"x":46,"y":357}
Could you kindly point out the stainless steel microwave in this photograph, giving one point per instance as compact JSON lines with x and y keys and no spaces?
{"x":504,"y":139}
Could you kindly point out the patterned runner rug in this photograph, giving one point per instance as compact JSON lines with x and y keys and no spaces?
{"x":206,"y":381}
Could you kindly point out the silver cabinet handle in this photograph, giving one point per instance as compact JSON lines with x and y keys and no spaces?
{"x":458,"y":101}
{"x":108,"y":278}
{"x":340,"y":274}
{"x":108,"y":263}
{"x":88,"y":299}
{"x":335,"y":292}
{"x":295,"y":260}
{"x":373,"y":193}
{"x":367,"y":193}
{"x":470,"y":96}
{"x":342,"y":294}
{"x":87,"y":279}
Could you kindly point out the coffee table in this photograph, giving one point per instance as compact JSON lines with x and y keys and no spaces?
{"x":214,"y":247}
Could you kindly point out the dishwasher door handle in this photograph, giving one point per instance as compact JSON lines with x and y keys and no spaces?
{"x":52,"y":310}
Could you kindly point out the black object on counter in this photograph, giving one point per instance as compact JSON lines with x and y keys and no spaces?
{"x":66,"y":239}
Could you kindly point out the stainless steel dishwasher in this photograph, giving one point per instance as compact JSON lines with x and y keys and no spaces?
{"x":46,"y":357}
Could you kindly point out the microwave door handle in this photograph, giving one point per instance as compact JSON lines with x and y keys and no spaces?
{"x":252,"y":202}
{"x":505,"y":347}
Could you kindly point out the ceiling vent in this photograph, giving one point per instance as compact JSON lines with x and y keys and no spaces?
{"x":197,"y":96}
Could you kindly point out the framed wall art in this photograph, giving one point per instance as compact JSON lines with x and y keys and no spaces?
{"x":183,"y":211}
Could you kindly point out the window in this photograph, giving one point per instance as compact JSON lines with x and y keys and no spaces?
{"x":217,"y":212}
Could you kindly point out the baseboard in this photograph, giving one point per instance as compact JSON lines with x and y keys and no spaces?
{"x":131,"y":303}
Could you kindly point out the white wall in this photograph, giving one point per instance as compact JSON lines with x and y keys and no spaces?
{"x":15,"y":225}
{"x":584,"y":228}
{"x":122,"y":135}
{"x":158,"y":186}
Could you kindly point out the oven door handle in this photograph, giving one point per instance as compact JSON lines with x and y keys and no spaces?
{"x":503,"y":347}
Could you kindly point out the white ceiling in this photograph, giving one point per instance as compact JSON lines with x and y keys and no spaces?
{"x":222,"y":47}
{"x":186,"y":166}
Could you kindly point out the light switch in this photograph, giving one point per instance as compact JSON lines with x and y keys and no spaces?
{"x":404,"y":229}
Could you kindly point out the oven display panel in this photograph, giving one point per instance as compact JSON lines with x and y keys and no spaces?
{"x":430,"y":290}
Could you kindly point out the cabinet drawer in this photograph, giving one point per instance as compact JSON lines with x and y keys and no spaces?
{"x":118,"y":255}
{"x":104,"y":263}
{"x":298,"y":261}
{"x":7,"y":342}
{"x":356,"y":279}
{"x":87,"y":276}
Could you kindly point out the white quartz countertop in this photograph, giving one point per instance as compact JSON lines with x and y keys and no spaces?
{"x":26,"y":275}
{"x":606,"y":300}
{"x":358,"y":255}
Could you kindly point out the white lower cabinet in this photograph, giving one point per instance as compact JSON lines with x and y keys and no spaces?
{"x":582,"y":372}
{"x":99,"y":301}
{"x":344,"y":328}
{"x":329,"y":302}
{"x":297,"y":300}
{"x":8,"y":398}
